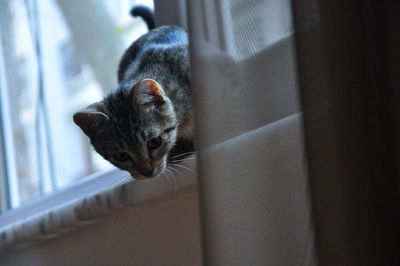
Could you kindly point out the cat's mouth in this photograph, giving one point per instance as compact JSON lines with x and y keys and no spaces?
{"x":140,"y":176}
{"x":148,"y":174}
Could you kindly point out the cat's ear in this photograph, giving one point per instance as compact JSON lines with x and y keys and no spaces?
{"x":93,"y":119}
{"x":148,"y":93}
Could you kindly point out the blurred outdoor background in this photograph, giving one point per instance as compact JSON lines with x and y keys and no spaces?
{"x":56,"y":57}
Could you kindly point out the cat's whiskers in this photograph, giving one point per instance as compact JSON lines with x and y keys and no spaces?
{"x":183,"y":154}
{"x":190,"y":159}
{"x":137,"y":198}
{"x":173,"y":178}
{"x":184,"y":167}
{"x":176,"y":170}
{"x":143,"y":201}
{"x":129,"y":200}
{"x":165,"y":173}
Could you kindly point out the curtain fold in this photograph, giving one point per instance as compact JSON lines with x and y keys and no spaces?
{"x":254,"y":196}
{"x":267,"y":197}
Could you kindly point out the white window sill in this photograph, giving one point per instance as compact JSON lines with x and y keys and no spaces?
{"x":90,"y":201}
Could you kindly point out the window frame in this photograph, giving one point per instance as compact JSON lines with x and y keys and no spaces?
{"x":8,"y":178}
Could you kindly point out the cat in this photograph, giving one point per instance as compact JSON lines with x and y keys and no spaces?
{"x":149,"y":117}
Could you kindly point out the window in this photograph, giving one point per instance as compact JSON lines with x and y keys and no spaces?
{"x":48,"y":71}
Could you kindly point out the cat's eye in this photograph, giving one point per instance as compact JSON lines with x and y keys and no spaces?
{"x":154,"y":143}
{"x":122,"y":156}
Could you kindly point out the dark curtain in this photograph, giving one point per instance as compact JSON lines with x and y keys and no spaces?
{"x":348,"y":61}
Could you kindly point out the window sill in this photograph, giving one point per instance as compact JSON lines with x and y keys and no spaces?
{"x":88,"y":202}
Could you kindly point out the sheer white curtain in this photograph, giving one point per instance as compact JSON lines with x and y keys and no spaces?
{"x":252,"y":175}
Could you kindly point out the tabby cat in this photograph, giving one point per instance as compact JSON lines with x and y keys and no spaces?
{"x":149,"y":117}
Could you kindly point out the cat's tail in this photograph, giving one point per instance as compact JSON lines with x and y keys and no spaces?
{"x":146,"y":14}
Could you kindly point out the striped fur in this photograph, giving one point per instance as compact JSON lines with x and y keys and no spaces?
{"x":129,"y":120}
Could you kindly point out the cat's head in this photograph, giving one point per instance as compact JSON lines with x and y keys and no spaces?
{"x":134,"y":128}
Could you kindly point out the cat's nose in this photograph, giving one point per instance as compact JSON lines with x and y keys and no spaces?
{"x":147,"y":172}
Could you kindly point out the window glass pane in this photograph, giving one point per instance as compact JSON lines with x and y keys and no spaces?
{"x":78,"y":58}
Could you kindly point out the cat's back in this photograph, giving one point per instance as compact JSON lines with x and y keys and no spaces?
{"x":164,"y":38}
{"x":168,"y":35}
